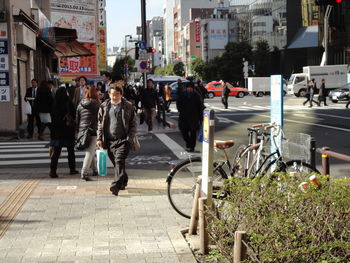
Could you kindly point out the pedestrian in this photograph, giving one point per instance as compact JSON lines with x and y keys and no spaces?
{"x":190,"y":108}
{"x":79,"y":92}
{"x":63,"y":131}
{"x":107,"y":81}
{"x":43,"y":102}
{"x":310,"y":93}
{"x":116,"y":132}
{"x":30,"y":97}
{"x":52,"y":88}
{"x":322,"y":94}
{"x":130,"y":94}
{"x":86,"y":120}
{"x":99,"y":86}
{"x":225,"y":92}
{"x":71,"y":87}
{"x":167,"y":90}
{"x":161,"y":104}
{"x":149,"y":101}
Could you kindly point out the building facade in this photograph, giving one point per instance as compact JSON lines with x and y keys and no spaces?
{"x":27,"y":46}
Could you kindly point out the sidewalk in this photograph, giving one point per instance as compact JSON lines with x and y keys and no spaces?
{"x":70,"y":220}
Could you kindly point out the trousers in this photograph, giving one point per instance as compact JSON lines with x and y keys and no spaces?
{"x":90,"y":159}
{"x":56,"y":155}
{"x":118,"y":151}
{"x":30,"y":127}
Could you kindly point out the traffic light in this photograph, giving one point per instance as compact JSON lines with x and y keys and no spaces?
{"x":137,"y":50}
{"x":151,"y":50}
{"x":327,"y":2}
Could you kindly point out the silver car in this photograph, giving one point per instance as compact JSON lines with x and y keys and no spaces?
{"x":340,"y":94}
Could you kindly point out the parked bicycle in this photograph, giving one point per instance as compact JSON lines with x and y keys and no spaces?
{"x":253,"y":160}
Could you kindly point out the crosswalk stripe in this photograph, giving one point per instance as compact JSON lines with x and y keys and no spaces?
{"x":35,"y":155}
{"x":24,"y":143}
{"x":38,"y":161}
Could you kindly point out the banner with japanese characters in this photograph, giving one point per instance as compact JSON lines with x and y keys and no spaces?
{"x":4,"y":64}
{"x":81,"y":6}
{"x":102,"y":49}
{"x":80,"y":66}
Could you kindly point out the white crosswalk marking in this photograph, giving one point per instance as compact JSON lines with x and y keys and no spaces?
{"x":31,"y":153}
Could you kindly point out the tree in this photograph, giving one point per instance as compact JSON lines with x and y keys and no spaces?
{"x":197,"y":68}
{"x":118,"y":71}
{"x":179,"y":69}
{"x":262,"y":59}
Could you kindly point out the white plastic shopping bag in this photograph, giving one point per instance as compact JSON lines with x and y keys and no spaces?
{"x":45,"y":117}
{"x":27,"y":108}
{"x":101,"y":155}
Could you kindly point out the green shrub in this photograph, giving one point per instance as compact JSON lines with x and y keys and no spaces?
{"x":283,"y":223}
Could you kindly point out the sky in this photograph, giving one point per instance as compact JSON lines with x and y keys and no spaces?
{"x":123,"y":16}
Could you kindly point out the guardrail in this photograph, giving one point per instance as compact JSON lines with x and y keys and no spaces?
{"x":326,"y":154}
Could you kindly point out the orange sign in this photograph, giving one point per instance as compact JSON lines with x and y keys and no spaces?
{"x":78,"y":66}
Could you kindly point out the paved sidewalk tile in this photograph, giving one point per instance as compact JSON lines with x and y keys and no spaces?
{"x":84,"y":222}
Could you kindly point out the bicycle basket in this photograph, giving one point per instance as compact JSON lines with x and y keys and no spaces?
{"x":297,"y":147}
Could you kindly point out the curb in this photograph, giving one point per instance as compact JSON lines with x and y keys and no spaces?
{"x":180,"y":245}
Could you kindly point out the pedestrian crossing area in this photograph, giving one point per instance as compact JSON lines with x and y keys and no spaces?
{"x":259,"y":108}
{"x":31,"y":154}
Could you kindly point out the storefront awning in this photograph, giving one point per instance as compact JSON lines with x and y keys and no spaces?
{"x":306,"y":37}
{"x":71,"y":49}
{"x":67,"y":44}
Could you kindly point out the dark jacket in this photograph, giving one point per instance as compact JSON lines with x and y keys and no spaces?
{"x":190,"y":109}
{"x":128,"y":116}
{"x":29,"y":94}
{"x":149,"y":98}
{"x":225,"y":91}
{"x":43,"y":101}
{"x":60,"y":130}
{"x":322,"y":91}
{"x":86,"y":116}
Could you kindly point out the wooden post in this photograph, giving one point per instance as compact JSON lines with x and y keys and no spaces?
{"x":203,"y":233}
{"x":194,"y":215}
{"x":239,"y":249}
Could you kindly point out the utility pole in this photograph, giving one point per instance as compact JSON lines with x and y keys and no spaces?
{"x":325,"y":37}
{"x":144,"y":34}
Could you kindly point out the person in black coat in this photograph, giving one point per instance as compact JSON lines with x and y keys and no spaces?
{"x":63,"y":131}
{"x":190,"y":108}
{"x":149,"y":102}
{"x":30,"y":97}
{"x":86,"y":119}
{"x":322,"y":94}
{"x":43,"y":102}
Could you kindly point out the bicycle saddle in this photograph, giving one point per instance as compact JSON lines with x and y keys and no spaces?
{"x":223,"y":144}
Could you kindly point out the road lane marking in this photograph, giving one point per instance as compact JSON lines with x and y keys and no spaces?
{"x":226,"y":120}
{"x":307,"y":117}
{"x":313,"y":124}
{"x":177,"y":149}
{"x":335,"y":116}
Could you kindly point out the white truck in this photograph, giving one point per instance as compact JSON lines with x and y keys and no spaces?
{"x":335,"y":76}
{"x":260,"y":86}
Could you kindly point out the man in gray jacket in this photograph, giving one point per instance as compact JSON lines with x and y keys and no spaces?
{"x":116,"y":131}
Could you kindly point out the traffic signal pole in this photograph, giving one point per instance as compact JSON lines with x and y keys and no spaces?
{"x":144,"y":33}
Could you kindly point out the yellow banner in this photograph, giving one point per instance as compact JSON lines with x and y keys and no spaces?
{"x":102,"y":49}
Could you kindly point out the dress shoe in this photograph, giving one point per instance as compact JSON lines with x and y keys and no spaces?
{"x":114,"y":189}
{"x":94,"y":173}
{"x":85,"y":177}
{"x":123,"y":187}
{"x":53,"y":174}
{"x":73,"y":172}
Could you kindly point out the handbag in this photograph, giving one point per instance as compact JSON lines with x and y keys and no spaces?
{"x":135,"y":144}
{"x":83,"y":140}
{"x":101,"y":155}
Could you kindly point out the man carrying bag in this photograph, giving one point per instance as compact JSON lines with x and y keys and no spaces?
{"x":116,"y":132}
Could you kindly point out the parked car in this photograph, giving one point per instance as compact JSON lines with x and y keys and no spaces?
{"x":174,"y":86}
{"x":340,"y":94}
{"x":214,"y":89}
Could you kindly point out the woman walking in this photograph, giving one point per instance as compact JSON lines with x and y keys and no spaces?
{"x":86,"y":119}
{"x":44,"y":101}
{"x":63,"y":131}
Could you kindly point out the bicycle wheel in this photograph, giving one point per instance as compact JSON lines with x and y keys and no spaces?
{"x":302,"y":169}
{"x":239,"y":162}
{"x":182,"y":184}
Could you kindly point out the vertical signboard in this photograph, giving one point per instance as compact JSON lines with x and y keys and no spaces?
{"x":4,"y":65}
{"x":198,"y":32}
{"x":81,"y":15}
{"x":102,"y":43}
{"x":217,"y":34}
{"x":207,"y":152}
{"x":276,"y":117}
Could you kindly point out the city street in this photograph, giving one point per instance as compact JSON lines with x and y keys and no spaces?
{"x":70,"y":220}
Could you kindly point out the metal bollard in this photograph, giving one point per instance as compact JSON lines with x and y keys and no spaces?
{"x":313,"y":152}
{"x":325,"y":161}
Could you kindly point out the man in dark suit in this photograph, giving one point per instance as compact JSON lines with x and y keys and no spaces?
{"x":107,"y":80}
{"x":30,"y":97}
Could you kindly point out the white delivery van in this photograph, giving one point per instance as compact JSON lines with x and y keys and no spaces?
{"x":335,"y":76}
{"x":260,"y":86}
